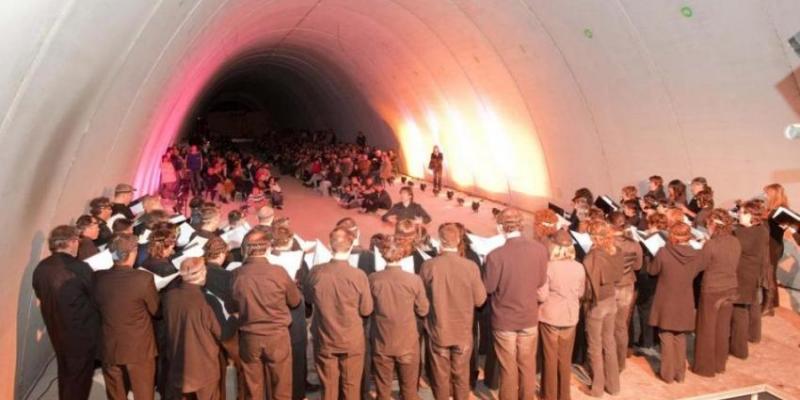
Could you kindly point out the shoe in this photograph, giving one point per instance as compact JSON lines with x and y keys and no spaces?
{"x":311,"y":388}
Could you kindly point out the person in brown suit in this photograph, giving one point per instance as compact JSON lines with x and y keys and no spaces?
{"x":717,"y":293}
{"x":63,"y":283}
{"x":127,"y":300}
{"x":604,"y":267}
{"x":341,"y":297}
{"x":193,"y":334}
{"x":399,"y":297}
{"x":454,"y":288}
{"x":632,"y":258}
{"x":262,"y":295}
{"x":514,"y":274}
{"x":753,"y":236}
{"x":676,"y":264}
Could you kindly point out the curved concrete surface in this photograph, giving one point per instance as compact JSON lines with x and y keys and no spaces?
{"x":528,"y":98}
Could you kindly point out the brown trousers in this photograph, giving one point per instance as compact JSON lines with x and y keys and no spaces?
{"x":340,"y":369}
{"x":624,"y":299}
{"x":266,"y":359}
{"x":141,"y":376}
{"x":450,"y":370}
{"x":557,"y":346}
{"x":210,"y":392}
{"x":516,"y":354}
{"x":746,"y":327}
{"x":602,"y":347}
{"x":673,"y":356}
{"x":74,"y":376}
{"x":712,"y":343}
{"x":407,"y":372}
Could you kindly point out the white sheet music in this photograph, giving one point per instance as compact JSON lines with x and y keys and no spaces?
{"x":654,"y":243}
{"x":562,"y":222}
{"x":100,"y":261}
{"x":222,"y":303}
{"x":144,"y":236}
{"x":233,"y":265}
{"x":185,"y":234}
{"x":582,"y":239}
{"x":289,"y":260}
{"x":234,"y":237}
{"x":162,"y":281}
{"x":424,"y":254}
{"x":138,"y":208}
{"x":406,"y":264}
{"x":177,"y":219}
{"x":483,"y":246}
{"x":195,"y":247}
{"x":353,"y":260}
{"x":321,"y":254}
{"x":305,"y":245}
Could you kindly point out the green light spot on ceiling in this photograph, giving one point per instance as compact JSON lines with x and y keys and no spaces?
{"x":588,"y":33}
{"x":687,"y":11}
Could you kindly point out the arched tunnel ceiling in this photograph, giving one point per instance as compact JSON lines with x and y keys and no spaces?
{"x":528,"y":98}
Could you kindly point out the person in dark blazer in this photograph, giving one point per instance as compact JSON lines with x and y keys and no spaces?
{"x":436,"y":165}
{"x":399,"y":298}
{"x":127,"y":300}
{"x":676,"y":264}
{"x":100,"y":208}
{"x":625,"y":293}
{"x":123,"y":195}
{"x":263,"y":295}
{"x":406,"y":209}
{"x":454,"y":288}
{"x":753,"y":236}
{"x":89,"y":228}
{"x":193,"y":335}
{"x":63,"y":284}
{"x":721,"y":255}
{"x":340,"y":296}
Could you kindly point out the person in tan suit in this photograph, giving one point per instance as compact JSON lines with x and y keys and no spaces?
{"x":341,"y":297}
{"x":454,"y":288}
{"x":193,"y":336}
{"x":127,"y":300}
{"x":262,"y":294}
{"x":516,"y":279}
{"x":399,"y":297}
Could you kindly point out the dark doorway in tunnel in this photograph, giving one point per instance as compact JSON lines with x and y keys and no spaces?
{"x":283,"y":91}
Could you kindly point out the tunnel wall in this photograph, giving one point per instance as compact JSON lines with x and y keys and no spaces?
{"x":528,"y":98}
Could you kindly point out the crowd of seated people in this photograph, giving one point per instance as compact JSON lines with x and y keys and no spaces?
{"x":188,"y":293}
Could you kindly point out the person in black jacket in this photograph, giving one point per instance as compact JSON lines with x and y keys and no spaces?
{"x":406,"y":209}
{"x":436,"y":165}
{"x":123,"y":195}
{"x":63,"y":283}
{"x":376,"y":200}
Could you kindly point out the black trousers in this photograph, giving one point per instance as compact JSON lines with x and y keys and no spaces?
{"x":74,"y":376}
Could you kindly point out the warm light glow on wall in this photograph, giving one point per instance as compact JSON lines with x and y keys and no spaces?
{"x":482,"y":149}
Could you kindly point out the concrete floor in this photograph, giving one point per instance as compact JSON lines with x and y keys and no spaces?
{"x":774,"y":361}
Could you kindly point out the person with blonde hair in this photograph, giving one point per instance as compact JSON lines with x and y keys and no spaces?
{"x":558,"y":316}
{"x":604,"y":267}
{"x":676,"y":264}
{"x":775,"y":197}
{"x":514,"y":272}
{"x":399,"y":298}
{"x":341,"y":297}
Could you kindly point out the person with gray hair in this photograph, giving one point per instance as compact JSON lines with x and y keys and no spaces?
{"x":63,"y":283}
{"x":265,"y":215}
{"x":193,"y":334}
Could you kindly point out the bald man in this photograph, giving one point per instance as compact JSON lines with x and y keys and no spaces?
{"x":341,"y":298}
{"x":263,"y":294}
{"x":265,"y":216}
{"x":193,"y":336}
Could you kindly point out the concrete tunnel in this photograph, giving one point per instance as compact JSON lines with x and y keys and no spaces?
{"x":530,"y":99}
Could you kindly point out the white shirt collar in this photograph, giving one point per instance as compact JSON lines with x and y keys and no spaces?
{"x":514,"y":234}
